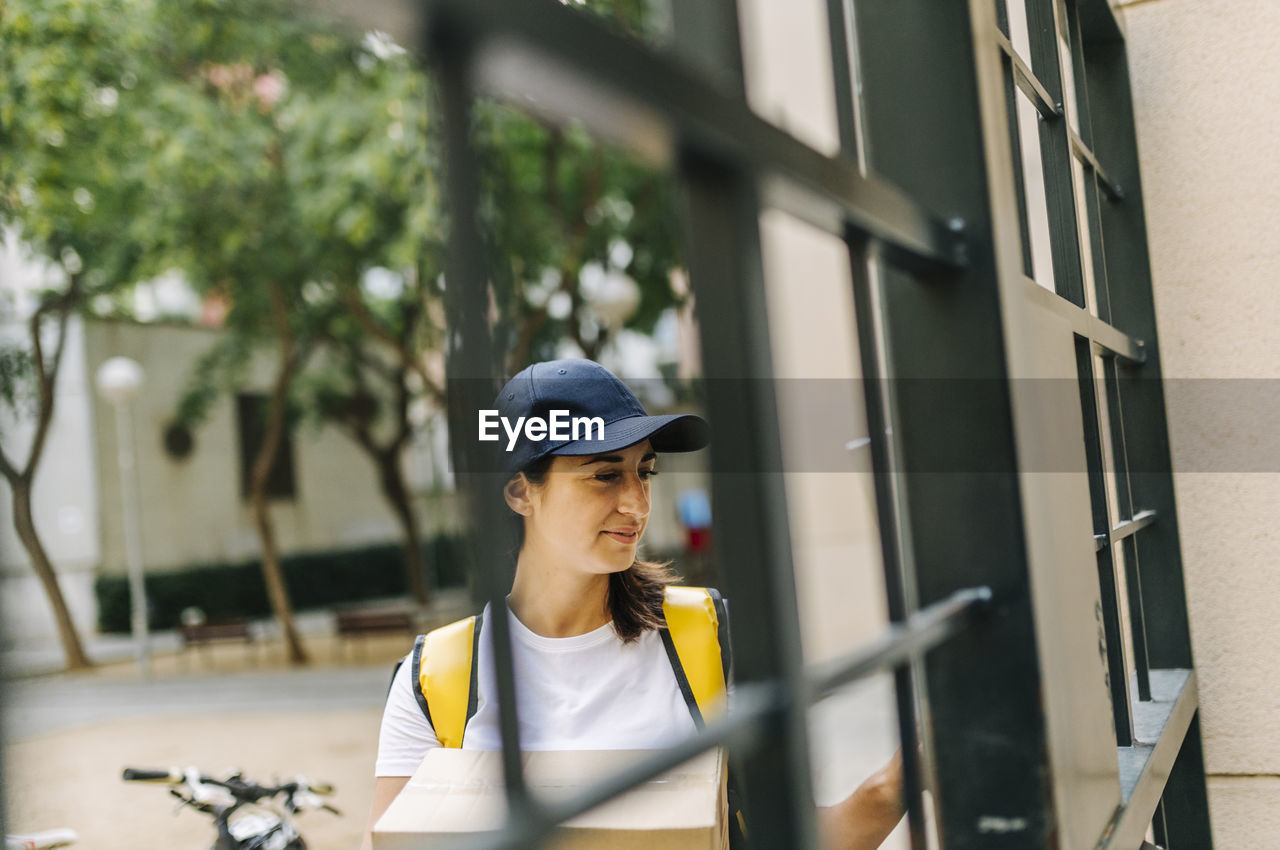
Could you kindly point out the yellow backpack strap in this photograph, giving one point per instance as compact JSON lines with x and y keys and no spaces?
{"x":697,"y":643}
{"x":445,"y":686}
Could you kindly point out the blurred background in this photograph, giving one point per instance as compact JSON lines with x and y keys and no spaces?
{"x":242,"y":199}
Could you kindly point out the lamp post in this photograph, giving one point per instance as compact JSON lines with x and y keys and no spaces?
{"x":119,"y":380}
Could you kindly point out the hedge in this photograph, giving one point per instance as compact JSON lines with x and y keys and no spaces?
{"x":237,"y":590}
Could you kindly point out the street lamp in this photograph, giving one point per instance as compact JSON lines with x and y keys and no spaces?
{"x":119,"y":380}
{"x":615,"y":298}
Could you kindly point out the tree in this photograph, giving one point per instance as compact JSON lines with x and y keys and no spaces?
{"x":328,"y":152}
{"x":68,"y":76}
{"x":367,"y":180}
{"x":222,"y":200}
{"x":570,"y":219}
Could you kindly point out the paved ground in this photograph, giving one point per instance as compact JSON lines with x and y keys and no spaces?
{"x":68,"y":737}
{"x":38,"y":707}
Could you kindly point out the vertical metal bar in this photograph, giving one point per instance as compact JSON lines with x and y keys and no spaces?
{"x":469,"y":365}
{"x":1159,"y":831}
{"x":1117,"y":678}
{"x":842,"y":75}
{"x":899,"y":583}
{"x":1137,"y":619}
{"x":1092,"y":191}
{"x":1015,"y":146}
{"x":961,"y":480}
{"x":749,"y":502}
{"x":1124,"y":499}
{"x":1056,"y":156}
{"x":1128,"y":266}
{"x":750,"y":509}
{"x":1185,"y":799}
{"x":1147,"y":445}
{"x":891,"y":516}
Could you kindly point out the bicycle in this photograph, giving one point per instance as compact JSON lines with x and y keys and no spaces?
{"x":246,"y":815}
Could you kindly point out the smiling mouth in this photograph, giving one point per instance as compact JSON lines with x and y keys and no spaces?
{"x":623,"y":536}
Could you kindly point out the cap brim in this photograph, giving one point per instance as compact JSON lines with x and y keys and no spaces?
{"x":678,"y":432}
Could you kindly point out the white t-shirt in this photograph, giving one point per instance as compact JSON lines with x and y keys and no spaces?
{"x":586,"y":692}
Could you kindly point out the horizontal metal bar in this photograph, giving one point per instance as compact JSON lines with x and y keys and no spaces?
{"x":1049,"y":108}
{"x":1111,"y":341}
{"x":565,"y":65}
{"x":1122,"y":530}
{"x":1082,"y":151}
{"x":1159,"y":728}
{"x":901,"y":641}
{"x":743,"y":726}
{"x":1130,"y":526}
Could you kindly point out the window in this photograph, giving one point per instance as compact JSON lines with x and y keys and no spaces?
{"x":251,"y":417}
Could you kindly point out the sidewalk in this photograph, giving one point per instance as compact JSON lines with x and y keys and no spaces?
{"x":68,"y":736}
{"x":113,"y":649}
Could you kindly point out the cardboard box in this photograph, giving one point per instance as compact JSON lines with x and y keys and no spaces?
{"x":455,"y":793}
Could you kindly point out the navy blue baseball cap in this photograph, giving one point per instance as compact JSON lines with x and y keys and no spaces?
{"x":586,"y":391}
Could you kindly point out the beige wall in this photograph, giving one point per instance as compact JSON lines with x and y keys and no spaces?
{"x":1206,"y":77}
{"x":191,"y":509}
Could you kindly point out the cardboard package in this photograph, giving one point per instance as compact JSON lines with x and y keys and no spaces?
{"x":459,"y":792}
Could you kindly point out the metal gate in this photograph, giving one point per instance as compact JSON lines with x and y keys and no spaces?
{"x":1035,"y":743}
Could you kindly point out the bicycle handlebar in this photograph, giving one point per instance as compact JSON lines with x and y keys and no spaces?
{"x":135,"y":774}
{"x":239,"y":788}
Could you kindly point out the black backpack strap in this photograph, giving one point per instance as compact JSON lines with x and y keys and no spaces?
{"x":415,"y":659}
{"x":726,"y":648}
{"x":681,"y":679}
{"x":737,"y":816}
{"x":473,"y":690}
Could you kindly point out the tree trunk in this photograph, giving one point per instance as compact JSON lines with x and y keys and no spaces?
{"x":272,"y":574}
{"x":396,"y":492}
{"x":24,"y":524}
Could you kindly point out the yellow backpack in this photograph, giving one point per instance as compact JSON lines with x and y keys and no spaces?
{"x":696,"y":639}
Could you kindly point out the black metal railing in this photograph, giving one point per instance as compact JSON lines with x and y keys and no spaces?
{"x":916,"y":194}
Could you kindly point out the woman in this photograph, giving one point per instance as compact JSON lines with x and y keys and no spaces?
{"x":586,"y":613}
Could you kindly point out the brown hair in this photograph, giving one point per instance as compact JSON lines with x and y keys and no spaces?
{"x":635,"y":594}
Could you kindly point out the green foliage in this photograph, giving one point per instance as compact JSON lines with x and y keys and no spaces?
{"x":220,"y":369}
{"x":16,"y":376}
{"x":237,"y":590}
{"x":555,"y":202}
{"x":73,"y":85}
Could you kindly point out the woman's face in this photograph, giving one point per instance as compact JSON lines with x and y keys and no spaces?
{"x":589,"y":512}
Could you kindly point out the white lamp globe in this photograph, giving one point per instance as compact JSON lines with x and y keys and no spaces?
{"x":615,"y":299}
{"x":119,"y":380}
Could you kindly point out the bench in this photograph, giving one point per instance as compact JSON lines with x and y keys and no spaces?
{"x":234,"y":630}
{"x":363,"y":622}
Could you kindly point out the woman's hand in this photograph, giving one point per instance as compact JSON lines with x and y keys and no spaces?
{"x":865,"y":818}
{"x":385,"y":790}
